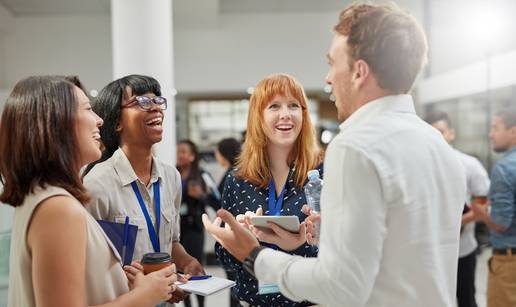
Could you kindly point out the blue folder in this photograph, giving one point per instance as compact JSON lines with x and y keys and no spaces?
{"x":115,"y":232}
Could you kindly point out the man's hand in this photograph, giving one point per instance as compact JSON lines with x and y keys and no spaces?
{"x":285,"y":239}
{"x":237,"y":240}
{"x":312,"y":237}
{"x":193,"y":267}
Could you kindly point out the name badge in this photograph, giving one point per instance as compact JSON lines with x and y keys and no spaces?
{"x":265,"y":287}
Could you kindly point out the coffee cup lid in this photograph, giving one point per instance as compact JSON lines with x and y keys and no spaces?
{"x":156,"y":258}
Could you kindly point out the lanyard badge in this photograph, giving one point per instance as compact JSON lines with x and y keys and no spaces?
{"x":269,"y":287}
{"x":154,"y":237}
{"x":275,"y":204}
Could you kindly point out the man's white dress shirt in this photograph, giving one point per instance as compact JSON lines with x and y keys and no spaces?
{"x":391,"y":209}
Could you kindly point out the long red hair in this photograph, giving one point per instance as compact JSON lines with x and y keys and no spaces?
{"x":253,"y":162}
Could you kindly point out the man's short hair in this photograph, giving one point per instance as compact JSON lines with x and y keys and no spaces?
{"x":391,"y":42}
{"x":508,"y":116}
{"x":436,"y":116}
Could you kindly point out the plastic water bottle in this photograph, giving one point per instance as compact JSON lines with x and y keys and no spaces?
{"x":313,"y":190}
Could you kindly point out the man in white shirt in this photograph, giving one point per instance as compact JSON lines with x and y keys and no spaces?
{"x":394,"y":190}
{"x":477,"y":188}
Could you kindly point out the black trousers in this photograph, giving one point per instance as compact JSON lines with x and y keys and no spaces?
{"x":466,"y":281}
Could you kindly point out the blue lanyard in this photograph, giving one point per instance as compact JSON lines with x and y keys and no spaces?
{"x":275,"y":205}
{"x":150,"y":228}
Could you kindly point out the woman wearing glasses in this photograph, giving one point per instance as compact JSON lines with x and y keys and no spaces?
{"x":59,"y":254}
{"x":128,"y":181}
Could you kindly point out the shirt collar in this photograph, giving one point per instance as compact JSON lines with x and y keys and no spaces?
{"x":392,"y":103}
{"x":510,"y":151}
{"x":126,"y":172}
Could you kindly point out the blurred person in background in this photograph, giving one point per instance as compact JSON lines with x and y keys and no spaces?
{"x":226,"y":154}
{"x":198,"y":191}
{"x":477,"y":188}
{"x":501,"y":220}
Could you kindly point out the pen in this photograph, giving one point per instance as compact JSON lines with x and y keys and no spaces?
{"x":199,"y":277}
{"x":126,"y":238}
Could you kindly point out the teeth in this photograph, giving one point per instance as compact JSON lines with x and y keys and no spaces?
{"x":154,"y":121}
{"x":284,"y":127}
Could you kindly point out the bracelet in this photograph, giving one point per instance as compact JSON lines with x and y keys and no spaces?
{"x":248,"y":263}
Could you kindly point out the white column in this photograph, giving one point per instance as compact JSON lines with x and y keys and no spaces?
{"x":142,"y":44}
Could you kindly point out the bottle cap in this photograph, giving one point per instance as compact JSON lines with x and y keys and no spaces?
{"x":313,"y":174}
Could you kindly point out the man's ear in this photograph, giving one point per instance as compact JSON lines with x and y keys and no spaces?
{"x":118,"y":127}
{"x":361,"y":72}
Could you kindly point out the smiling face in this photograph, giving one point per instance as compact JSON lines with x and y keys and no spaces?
{"x":137,"y":126}
{"x":87,"y":126}
{"x":283,"y":118}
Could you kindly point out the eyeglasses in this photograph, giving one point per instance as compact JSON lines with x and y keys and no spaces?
{"x":145,"y":102}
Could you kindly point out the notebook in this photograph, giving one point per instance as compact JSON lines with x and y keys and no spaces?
{"x":115,"y":233}
{"x":206,"y":287}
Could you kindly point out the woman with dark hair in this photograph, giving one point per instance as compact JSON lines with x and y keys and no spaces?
{"x":59,"y":254}
{"x":129,"y":181}
{"x":226,"y":153}
{"x":196,"y":195}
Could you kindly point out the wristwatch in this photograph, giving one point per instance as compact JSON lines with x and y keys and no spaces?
{"x":248,"y":263}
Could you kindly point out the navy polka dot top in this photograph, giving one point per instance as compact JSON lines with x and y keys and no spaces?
{"x":240,"y":196}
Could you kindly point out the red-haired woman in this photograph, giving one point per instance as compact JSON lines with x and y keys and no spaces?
{"x":279,"y":149}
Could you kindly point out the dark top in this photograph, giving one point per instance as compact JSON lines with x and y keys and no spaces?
{"x":193,"y":208}
{"x":240,"y":196}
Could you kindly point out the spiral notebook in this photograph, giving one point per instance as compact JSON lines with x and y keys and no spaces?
{"x":206,"y":287}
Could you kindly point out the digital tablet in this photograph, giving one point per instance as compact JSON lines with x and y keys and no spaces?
{"x":289,"y":222}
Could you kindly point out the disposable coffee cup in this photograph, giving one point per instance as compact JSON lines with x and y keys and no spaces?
{"x":155,"y":261}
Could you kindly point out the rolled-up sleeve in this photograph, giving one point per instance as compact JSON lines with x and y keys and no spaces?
{"x":501,"y":196}
{"x":353,"y":230}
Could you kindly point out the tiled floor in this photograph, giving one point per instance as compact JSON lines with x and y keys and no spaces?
{"x":222,"y":299}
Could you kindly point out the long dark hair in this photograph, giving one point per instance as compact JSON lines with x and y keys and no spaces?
{"x":108,"y":103}
{"x":38,"y":144}
{"x":229,"y":148}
